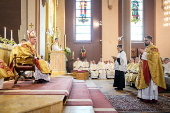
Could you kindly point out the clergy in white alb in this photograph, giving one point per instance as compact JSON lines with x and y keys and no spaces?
{"x":110,"y":70}
{"x":102,"y":69}
{"x":94,"y":70}
{"x":77,"y":65}
{"x":85,"y":65}
{"x":166,"y":66}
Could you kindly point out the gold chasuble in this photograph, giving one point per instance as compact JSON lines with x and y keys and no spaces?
{"x":155,"y":68}
{"x":129,"y":66}
{"x":5,"y":71}
{"x":26,"y":50}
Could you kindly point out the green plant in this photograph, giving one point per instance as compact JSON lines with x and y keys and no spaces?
{"x":67,"y":51}
{"x":5,"y":40}
{"x":11,"y":42}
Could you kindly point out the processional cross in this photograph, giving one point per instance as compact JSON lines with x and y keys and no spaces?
{"x":31,"y":25}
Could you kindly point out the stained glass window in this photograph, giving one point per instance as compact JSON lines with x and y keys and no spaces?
{"x":137,"y":20}
{"x":83,"y":20}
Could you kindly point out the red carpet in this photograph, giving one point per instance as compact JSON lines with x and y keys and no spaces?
{"x":100,"y":101}
{"x":56,"y":86}
{"x":79,"y":95}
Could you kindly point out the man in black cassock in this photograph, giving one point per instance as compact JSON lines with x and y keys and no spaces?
{"x":120,"y":69}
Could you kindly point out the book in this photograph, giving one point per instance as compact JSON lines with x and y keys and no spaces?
{"x":113,"y":56}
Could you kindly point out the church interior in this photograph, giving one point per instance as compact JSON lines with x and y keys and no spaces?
{"x":65,"y":56}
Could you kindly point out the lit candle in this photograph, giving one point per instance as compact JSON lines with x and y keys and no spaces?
{"x":57,"y":3}
{"x":11,"y":35}
{"x":4,"y":32}
{"x":73,"y":55}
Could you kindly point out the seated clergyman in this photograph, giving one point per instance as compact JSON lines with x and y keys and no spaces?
{"x":102,"y":69}
{"x":26,"y":50}
{"x":85,"y":65}
{"x":134,"y":70}
{"x":110,"y":69}
{"x":129,"y":68}
{"x":94,"y":70}
{"x":77,"y":65}
{"x":166,"y":65}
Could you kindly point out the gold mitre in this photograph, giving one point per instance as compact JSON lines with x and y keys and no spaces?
{"x":31,"y":34}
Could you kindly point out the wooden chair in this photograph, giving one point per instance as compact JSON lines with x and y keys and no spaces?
{"x":20,"y":66}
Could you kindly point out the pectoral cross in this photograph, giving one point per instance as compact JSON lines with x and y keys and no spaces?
{"x":31,"y":25}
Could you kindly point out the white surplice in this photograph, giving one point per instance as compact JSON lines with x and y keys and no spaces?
{"x":55,"y":47}
{"x":123,"y":62}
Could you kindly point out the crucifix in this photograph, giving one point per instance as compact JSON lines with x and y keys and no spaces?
{"x":31,"y":25}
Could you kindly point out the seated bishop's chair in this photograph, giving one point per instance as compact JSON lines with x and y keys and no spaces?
{"x":21,"y":65}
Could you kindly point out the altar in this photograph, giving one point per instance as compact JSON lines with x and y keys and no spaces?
{"x":57,"y":63}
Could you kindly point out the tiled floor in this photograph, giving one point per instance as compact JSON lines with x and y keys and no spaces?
{"x":106,"y":87}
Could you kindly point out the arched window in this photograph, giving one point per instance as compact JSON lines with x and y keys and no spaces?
{"x":83,"y":20}
{"x":136,"y":20}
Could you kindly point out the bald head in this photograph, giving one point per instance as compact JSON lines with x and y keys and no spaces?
{"x":131,"y":60}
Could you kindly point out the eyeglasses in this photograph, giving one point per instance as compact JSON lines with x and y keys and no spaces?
{"x":146,"y":40}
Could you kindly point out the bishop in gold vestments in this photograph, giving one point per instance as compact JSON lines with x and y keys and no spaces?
{"x":42,"y":70}
{"x":151,"y":75}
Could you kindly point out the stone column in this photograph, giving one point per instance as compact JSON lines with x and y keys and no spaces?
{"x":60,"y":20}
{"x":109,"y":29}
{"x":126,"y":40}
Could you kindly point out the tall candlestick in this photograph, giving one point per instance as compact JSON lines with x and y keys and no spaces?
{"x":11,"y":35}
{"x":18,"y":34}
{"x":4,"y":32}
{"x":73,"y":55}
{"x":64,"y":41}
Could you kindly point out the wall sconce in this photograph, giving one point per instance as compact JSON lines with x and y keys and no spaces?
{"x":100,"y":22}
{"x":166,"y":9}
{"x":109,"y":6}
